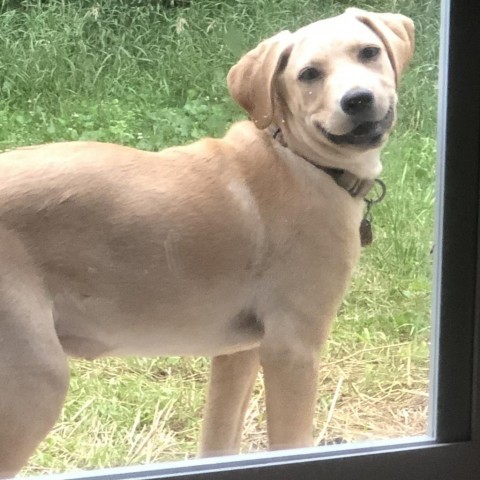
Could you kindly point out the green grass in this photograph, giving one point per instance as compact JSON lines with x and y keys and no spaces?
{"x":151,"y":76}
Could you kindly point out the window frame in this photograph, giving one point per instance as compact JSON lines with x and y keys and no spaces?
{"x":452,"y":451}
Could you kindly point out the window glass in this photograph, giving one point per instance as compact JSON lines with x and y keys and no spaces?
{"x":151,"y":75}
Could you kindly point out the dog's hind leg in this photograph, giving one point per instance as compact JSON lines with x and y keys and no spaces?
{"x":33,"y":367}
{"x":231,"y":383}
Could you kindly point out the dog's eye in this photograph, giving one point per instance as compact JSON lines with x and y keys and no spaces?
{"x":369,"y":53}
{"x":309,"y":74}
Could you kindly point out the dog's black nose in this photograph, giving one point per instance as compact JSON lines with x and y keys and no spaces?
{"x":357,"y":100}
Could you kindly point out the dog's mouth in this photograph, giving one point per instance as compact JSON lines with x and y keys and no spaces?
{"x":366,"y":134}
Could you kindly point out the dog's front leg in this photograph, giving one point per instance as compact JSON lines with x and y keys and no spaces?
{"x":290,"y":387}
{"x":231,"y":381}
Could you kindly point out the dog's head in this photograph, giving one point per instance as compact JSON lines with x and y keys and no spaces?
{"x":330,"y":86}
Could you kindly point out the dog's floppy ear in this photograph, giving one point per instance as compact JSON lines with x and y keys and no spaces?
{"x":396,"y":31}
{"x":251,"y":80}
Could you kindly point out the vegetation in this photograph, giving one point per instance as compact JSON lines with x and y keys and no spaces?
{"x":152,"y":74}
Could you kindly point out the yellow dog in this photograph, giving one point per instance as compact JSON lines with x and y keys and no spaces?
{"x":239,"y":248}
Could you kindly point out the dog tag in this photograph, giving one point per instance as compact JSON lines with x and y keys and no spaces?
{"x":366,"y":234}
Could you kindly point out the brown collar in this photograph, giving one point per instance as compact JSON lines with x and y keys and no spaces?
{"x":356,"y":187}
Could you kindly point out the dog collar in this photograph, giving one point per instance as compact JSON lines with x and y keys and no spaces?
{"x":355,"y":186}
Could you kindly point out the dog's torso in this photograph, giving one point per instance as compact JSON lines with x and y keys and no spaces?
{"x":136,"y":249}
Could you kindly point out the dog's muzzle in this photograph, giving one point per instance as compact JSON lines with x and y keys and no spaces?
{"x":366,"y":134}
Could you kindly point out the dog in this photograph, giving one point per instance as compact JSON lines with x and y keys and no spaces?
{"x":238,"y":248}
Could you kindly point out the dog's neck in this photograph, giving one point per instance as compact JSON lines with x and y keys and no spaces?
{"x":355,"y":186}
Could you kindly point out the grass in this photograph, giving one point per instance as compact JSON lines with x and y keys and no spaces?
{"x":150,"y":76}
